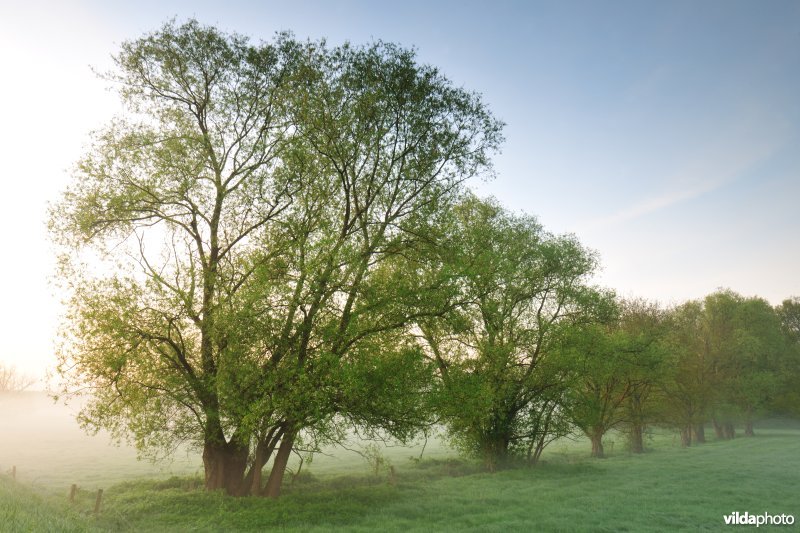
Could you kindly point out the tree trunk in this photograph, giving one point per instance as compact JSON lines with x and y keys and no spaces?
{"x":699,"y":433}
{"x":495,"y":451}
{"x":535,"y":452}
{"x":729,"y":431}
{"x":718,"y":429}
{"x":597,"y":444}
{"x":275,"y":481}
{"x":686,"y":436}
{"x":224,"y":466}
{"x":636,"y":438}
{"x":748,"y":423}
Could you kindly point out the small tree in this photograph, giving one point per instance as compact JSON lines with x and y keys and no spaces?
{"x":13,"y":381}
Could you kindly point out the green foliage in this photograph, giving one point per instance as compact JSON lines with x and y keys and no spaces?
{"x":726,"y":357}
{"x":787,"y":400}
{"x":234,"y":243}
{"x":614,"y":362}
{"x":512,"y":291}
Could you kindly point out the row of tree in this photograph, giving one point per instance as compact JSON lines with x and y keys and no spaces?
{"x":529,"y":351}
{"x":726,"y":360}
{"x":273,"y":246}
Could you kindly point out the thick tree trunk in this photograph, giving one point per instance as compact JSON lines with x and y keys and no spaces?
{"x":597,"y":444}
{"x":637,"y":438}
{"x":495,"y":451}
{"x":686,"y":436}
{"x":275,"y":481}
{"x":495,"y":457}
{"x":699,"y":433}
{"x":224,"y":466}
{"x":729,"y":431}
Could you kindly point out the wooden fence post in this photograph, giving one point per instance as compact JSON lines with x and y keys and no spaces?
{"x":72,"y":491}
{"x":97,"y":501}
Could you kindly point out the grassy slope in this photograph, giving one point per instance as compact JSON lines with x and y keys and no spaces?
{"x":668,"y":489}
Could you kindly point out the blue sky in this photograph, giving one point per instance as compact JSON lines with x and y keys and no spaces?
{"x":665,"y":134}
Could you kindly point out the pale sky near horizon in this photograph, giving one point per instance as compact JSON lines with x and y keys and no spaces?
{"x":665,"y":134}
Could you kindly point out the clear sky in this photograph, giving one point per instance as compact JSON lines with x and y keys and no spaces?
{"x":665,"y":134}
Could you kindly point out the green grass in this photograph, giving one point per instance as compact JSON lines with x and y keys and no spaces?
{"x":664,"y":490}
{"x":22,"y":509}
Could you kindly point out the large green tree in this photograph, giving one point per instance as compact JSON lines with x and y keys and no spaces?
{"x":386,"y":144}
{"x":231,"y":243}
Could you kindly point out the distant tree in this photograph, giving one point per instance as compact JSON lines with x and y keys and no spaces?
{"x":789,"y":313}
{"x":754,"y":366}
{"x":787,"y":401}
{"x":12,"y":380}
{"x":599,"y":387}
{"x":643,"y":325}
{"x":721,"y":332}
{"x":616,"y":363}
{"x":689,"y":385}
{"x":725,"y":364}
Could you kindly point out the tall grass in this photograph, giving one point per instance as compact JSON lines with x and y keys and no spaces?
{"x":22,"y":510}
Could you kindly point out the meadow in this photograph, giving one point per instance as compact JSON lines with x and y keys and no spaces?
{"x":669,"y":488}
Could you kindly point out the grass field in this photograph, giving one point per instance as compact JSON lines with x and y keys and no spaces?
{"x":667,"y":489}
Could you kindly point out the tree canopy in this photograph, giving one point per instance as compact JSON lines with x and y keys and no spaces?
{"x":223,"y":238}
{"x":513,"y":289}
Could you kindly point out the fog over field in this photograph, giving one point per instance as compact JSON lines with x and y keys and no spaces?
{"x":43,"y":440}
